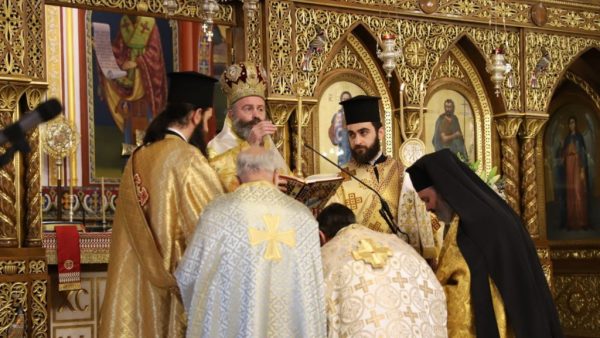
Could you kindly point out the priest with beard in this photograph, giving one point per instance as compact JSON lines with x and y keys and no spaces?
{"x":488,"y":265}
{"x":385,"y":175}
{"x":166,"y":184}
{"x":246,"y":123}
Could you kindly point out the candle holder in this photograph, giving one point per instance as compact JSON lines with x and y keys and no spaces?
{"x":301,"y":87}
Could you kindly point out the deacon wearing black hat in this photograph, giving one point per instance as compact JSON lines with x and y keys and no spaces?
{"x":382,"y":173}
{"x":164,"y":188}
{"x":488,"y":265}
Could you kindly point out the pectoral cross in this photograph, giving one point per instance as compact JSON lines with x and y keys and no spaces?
{"x":371,"y":253}
{"x":273,"y":237}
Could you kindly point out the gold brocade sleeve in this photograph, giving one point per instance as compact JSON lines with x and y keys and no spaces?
{"x":225,"y":166}
{"x":454,"y":275}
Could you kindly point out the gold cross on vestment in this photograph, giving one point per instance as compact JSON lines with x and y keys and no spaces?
{"x":273,"y":237}
{"x":353,"y":201}
{"x":371,"y":253}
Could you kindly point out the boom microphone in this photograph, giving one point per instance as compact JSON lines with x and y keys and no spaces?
{"x":15,"y":133}
{"x":385,"y":211}
{"x":42,"y":113}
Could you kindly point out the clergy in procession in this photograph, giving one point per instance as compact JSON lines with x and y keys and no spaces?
{"x":166,"y":184}
{"x":246,"y":124}
{"x":376,"y":285}
{"x":253,"y":267}
{"x":488,"y":265}
{"x":383,"y":174}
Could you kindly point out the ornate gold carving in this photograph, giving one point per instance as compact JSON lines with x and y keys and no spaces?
{"x":187,"y":9}
{"x":12,"y":267}
{"x":577,"y":301}
{"x":39,"y":314}
{"x":252,"y":27}
{"x":531,"y":127}
{"x":33,"y":212}
{"x":436,"y":38}
{"x":577,"y":16}
{"x":13,"y":43}
{"x":13,"y":295}
{"x":585,"y":86}
{"x":9,"y":220}
{"x":280,"y":57}
{"x":563,"y":49}
{"x":414,"y":52}
{"x":450,"y":69}
{"x":345,"y":58}
{"x":507,"y":128}
{"x":37,"y":266}
{"x":544,"y":256}
{"x":585,"y":254}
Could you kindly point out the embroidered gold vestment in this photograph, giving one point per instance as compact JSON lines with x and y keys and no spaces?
{"x":253,"y":268}
{"x":163,"y":190}
{"x":455,"y":277}
{"x":395,"y":187}
{"x":400,"y":298}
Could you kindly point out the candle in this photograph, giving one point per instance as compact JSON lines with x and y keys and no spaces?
{"x":102,"y":200}
{"x":71,"y":201}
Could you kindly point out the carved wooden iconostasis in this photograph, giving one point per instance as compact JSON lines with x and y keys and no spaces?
{"x":550,"y":161}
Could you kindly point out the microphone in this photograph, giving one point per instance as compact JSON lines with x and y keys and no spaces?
{"x":42,"y":113}
{"x":15,"y":133}
{"x":385,"y":211}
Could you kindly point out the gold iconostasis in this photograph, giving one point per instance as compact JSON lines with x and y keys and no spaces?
{"x":516,"y":78}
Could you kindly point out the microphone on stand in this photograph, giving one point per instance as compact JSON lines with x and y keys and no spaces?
{"x":385,"y":211}
{"x":15,"y":134}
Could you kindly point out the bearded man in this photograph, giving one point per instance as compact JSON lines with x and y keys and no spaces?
{"x":246,"y":123}
{"x":382,"y":173}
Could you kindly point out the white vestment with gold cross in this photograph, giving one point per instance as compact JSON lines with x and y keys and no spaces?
{"x":253,"y":268}
{"x":376,"y":285}
{"x":396,"y":189}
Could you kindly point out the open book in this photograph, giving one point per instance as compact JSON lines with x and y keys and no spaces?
{"x":314,"y":191}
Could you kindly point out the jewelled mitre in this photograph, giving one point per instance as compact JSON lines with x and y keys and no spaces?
{"x":244,"y":79}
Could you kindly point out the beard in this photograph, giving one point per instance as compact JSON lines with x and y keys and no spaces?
{"x":197,"y":139}
{"x":242,"y":129}
{"x":363,"y":155}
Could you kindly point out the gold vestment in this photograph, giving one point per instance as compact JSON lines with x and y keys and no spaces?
{"x":396,"y":189}
{"x":163,"y":190}
{"x":253,"y":268}
{"x":400,"y":298}
{"x":455,"y":277}
{"x":223,"y":150}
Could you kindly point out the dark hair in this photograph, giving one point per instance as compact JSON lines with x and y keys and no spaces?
{"x":334,"y":217}
{"x":174,"y":113}
{"x":197,"y":140}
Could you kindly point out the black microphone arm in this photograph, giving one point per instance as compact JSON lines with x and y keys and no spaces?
{"x":15,"y":134}
{"x":385,"y":211}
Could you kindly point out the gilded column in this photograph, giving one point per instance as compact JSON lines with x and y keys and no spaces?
{"x":9,"y":225}
{"x":33,"y":185}
{"x":508,"y":126}
{"x":531,"y":126}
